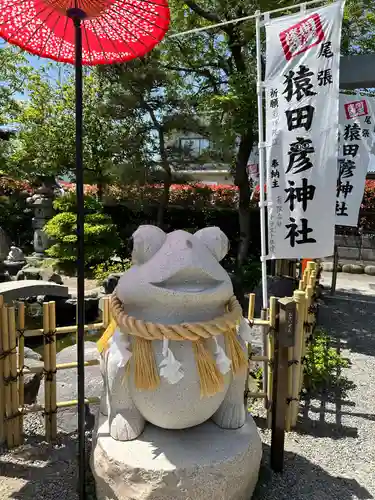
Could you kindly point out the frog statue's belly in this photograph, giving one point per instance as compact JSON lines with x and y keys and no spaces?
{"x":177,"y":406}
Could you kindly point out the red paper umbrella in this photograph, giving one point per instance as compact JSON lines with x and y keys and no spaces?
{"x":112,"y":31}
{"x":83,"y":32}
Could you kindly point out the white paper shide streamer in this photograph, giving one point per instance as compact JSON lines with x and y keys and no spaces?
{"x":302,"y":94}
{"x":119,"y":348}
{"x":170,"y":368}
{"x":356,"y":151}
{"x":222,"y":361}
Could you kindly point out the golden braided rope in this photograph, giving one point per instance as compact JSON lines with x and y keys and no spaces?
{"x":183,"y":331}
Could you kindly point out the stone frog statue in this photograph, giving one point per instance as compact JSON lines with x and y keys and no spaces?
{"x":175,"y":353}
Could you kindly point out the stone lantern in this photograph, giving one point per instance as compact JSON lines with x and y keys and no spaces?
{"x":42,"y":204}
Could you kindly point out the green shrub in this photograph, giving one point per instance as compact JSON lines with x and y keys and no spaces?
{"x":104,"y":269}
{"x":323,"y":364}
{"x":101,"y":239}
{"x":322,"y":367}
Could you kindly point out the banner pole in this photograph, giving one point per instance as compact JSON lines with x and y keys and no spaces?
{"x":261,"y":147}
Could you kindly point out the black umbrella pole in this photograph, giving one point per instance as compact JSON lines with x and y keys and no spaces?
{"x":80,"y":265}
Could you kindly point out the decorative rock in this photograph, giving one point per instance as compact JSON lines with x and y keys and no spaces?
{"x":66,"y":387}
{"x":201,"y":463}
{"x":328,"y":267}
{"x":110,"y":283}
{"x":15,"y":255}
{"x":32,"y":380}
{"x":30,"y":354}
{"x":50,"y":275}
{"x":370,"y":270}
{"x":4,"y":244}
{"x":66,"y":308}
{"x":29,"y":273}
{"x":353,"y":268}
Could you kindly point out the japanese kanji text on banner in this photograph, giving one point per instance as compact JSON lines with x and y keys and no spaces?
{"x":302,"y":115}
{"x":356,"y":149}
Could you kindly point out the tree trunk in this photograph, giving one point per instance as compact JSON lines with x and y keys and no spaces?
{"x":242,"y":182}
{"x":167,"y":178}
{"x":100,"y":187}
{"x":164,"y":200}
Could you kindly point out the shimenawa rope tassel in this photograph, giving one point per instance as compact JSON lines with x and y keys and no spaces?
{"x":146,"y":375}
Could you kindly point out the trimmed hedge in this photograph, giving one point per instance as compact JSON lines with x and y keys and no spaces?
{"x":191,"y":206}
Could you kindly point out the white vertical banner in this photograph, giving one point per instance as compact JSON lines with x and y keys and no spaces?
{"x":302,"y":116}
{"x":356,"y":150}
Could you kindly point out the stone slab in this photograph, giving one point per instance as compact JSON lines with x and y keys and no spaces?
{"x":14,"y":290}
{"x":200,"y":463}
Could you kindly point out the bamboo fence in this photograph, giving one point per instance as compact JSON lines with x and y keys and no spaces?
{"x":13,"y":370}
{"x":12,"y":363}
{"x":305,"y":299}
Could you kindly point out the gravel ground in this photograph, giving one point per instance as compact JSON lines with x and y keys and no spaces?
{"x":330,"y":456}
{"x":41,"y":471}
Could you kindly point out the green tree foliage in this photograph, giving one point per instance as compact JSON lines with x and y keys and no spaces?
{"x":146,"y":95}
{"x":101,"y":239}
{"x":217,"y":73}
{"x":45,"y":143}
{"x":14,"y":72}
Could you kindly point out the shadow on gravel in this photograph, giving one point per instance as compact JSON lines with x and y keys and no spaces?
{"x":351,"y":319}
{"x":41,"y":465}
{"x":302,"y":479}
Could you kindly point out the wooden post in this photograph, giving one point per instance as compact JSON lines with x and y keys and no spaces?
{"x":105,"y":314}
{"x":21,"y":362}
{"x":334,"y":271}
{"x":2,"y":384}
{"x":52,"y":346}
{"x":47,"y":370}
{"x":278,"y":267}
{"x":271,"y":344}
{"x":14,"y":423}
{"x":284,"y":340}
{"x":265,"y":332}
{"x":299,"y":298}
{"x":250,"y":315}
{"x":290,"y":311}
{"x":8,"y":397}
{"x":308,"y":302}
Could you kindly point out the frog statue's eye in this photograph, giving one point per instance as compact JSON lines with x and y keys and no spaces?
{"x":215,"y":240}
{"x":147,"y":240}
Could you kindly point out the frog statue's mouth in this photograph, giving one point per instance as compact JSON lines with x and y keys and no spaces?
{"x":189,"y":281}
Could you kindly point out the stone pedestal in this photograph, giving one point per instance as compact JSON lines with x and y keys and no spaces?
{"x":200,"y":463}
{"x":14,"y":267}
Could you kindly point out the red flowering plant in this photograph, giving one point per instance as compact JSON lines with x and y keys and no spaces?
{"x":10,"y":186}
{"x":70,"y":186}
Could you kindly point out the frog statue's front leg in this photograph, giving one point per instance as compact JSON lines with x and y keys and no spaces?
{"x":125,"y":421}
{"x":232,"y":413}
{"x":104,"y":397}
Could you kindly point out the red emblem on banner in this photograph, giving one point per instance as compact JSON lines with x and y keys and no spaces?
{"x":356,"y":108}
{"x":302,"y":36}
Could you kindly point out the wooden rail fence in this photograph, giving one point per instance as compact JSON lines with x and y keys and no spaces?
{"x":305,"y":319}
{"x":13,"y":370}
